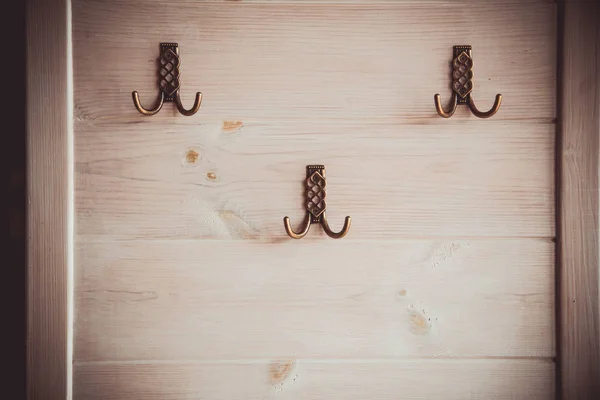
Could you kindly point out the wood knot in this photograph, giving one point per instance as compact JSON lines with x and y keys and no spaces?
{"x":420,"y":324}
{"x":280,"y":370}
{"x":232,"y":126}
{"x":192,"y":156}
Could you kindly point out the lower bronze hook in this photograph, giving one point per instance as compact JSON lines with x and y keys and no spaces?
{"x":486,"y":114}
{"x":440,"y":110}
{"x":191,"y":111}
{"x":290,"y":231}
{"x":144,"y":111}
{"x":340,"y":234}
{"x":315,"y":206}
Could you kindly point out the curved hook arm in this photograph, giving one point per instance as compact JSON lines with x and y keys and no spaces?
{"x":438,"y":106}
{"x":192,"y":110}
{"x":291,"y":233}
{"x":339,"y":234}
{"x":487,"y":114}
{"x":142,"y":110}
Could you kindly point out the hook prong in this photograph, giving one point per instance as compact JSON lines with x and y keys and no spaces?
{"x":332,"y":234}
{"x":486,"y":114}
{"x":440,"y":110}
{"x":290,"y":231}
{"x":191,"y":111}
{"x":144,"y":111}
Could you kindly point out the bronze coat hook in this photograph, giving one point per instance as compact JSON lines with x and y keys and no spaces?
{"x":462,"y":86}
{"x":168,"y":83}
{"x":315,"y":205}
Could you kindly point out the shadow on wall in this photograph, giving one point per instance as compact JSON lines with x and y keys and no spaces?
{"x":14,"y":205}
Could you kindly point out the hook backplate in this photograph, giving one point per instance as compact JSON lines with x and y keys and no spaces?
{"x":462,"y":73}
{"x":168,"y":70}
{"x":315,"y":192}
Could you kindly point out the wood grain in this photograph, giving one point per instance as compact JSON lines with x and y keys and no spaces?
{"x":297,"y":61}
{"x":49,"y":194}
{"x":186,"y":284}
{"x":361,"y":2}
{"x":150,"y":180}
{"x":578,"y":157}
{"x":188,"y":299}
{"x":306,"y":379}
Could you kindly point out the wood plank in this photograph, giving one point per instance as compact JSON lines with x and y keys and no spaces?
{"x":296,"y":61}
{"x":228,"y":180}
{"x":578,"y":157}
{"x":300,"y":379}
{"x":190,"y":299}
{"x":49,"y":200}
{"x":365,"y":2}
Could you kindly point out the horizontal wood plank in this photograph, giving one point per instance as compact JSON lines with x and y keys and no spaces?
{"x":297,"y":61}
{"x":299,"y":379}
{"x":238,"y":180}
{"x":190,"y":299}
{"x":360,"y":2}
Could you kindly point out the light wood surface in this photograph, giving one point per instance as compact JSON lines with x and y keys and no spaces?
{"x":328,"y":299}
{"x":299,"y":61}
{"x":360,"y":2}
{"x":579,"y":153}
{"x":151,"y":180}
{"x":49,"y":201}
{"x":308,"y":379}
{"x":186,"y":284}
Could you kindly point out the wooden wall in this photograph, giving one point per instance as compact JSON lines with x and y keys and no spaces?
{"x":186,"y":285}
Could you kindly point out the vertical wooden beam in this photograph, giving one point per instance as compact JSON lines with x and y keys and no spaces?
{"x":49,"y":189}
{"x":577,"y":226}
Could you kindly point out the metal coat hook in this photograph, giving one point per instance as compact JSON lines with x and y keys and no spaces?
{"x":315,"y":205}
{"x":462,"y":86}
{"x":168,"y":83}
